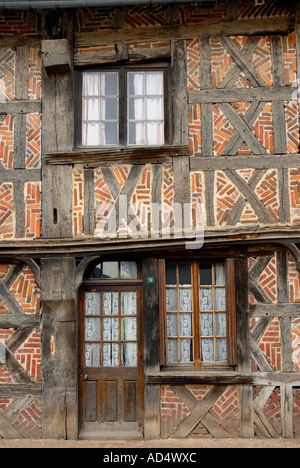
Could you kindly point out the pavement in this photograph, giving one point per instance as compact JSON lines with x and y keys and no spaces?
{"x":131,"y":445}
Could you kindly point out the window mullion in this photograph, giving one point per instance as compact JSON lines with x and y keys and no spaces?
{"x":196,"y":314}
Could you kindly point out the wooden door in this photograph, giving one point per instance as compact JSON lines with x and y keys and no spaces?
{"x":111,"y":369}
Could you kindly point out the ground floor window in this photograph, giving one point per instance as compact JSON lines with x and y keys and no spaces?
{"x":199,"y":315}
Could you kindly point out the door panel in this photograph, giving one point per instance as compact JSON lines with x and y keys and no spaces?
{"x":111,"y":372}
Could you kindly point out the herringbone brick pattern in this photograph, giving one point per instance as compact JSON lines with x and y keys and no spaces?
{"x":193,"y":63}
{"x":35,"y":73}
{"x":168,"y":198}
{"x":290,"y":61}
{"x":33,"y":141}
{"x":7,"y":74}
{"x":195,"y":129}
{"x":292,"y":126}
{"x":268,"y":9}
{"x":294,"y":280}
{"x":6,"y":211}
{"x":7,"y":141}
{"x":296,"y":343}
{"x":28,"y":423}
{"x":198,"y":14}
{"x":142,"y":198}
{"x":197,"y":189}
{"x":173,"y":411}
{"x":26,"y":292}
{"x":33,"y":209}
{"x":21,"y":23}
{"x":226,"y":411}
{"x":78,"y":202}
{"x":29,"y":355}
{"x":270,"y":344}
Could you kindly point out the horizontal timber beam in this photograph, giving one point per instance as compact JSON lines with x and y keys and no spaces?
{"x":21,"y":176}
{"x":251,"y":27}
{"x":20,"y":107}
{"x":245,"y":162}
{"x":107,"y":157}
{"x":266,"y":94}
{"x":19,"y":390}
{"x":19,"y":321}
{"x":291,"y":310}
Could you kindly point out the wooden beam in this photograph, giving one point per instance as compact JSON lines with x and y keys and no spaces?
{"x":252,"y":27}
{"x":273,"y":94}
{"x":288,"y":161}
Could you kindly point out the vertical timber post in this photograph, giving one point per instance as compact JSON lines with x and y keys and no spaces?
{"x":59,"y":348}
{"x":151,"y":346}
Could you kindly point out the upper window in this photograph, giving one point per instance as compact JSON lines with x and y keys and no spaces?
{"x":123,"y":106}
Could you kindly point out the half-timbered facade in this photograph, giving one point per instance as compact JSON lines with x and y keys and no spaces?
{"x":150,"y":220}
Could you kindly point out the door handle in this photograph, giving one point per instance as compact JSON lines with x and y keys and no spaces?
{"x":85,"y":377}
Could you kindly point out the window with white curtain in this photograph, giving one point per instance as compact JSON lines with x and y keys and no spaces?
{"x":123,"y":107}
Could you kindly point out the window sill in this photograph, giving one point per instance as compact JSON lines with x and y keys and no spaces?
{"x":93,"y":157}
{"x":192,"y":377}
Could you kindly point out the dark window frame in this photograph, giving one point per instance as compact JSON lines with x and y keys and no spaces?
{"x":123,"y":110}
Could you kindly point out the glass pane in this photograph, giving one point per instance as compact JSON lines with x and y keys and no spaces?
{"x":96,"y":273}
{"x":128,"y":354}
{"x":90,"y":134}
{"x":207,"y":324}
{"x":110,"y":270}
{"x":154,"y":109}
{"x":136,"y":109}
{"x":110,"y":133}
{"x":171,"y":299}
{"x":206,"y":274}
{"x":185,"y":300}
{"x":128,"y":270}
{"x":128,"y":303}
{"x":93,"y":329}
{"x":221,"y":324}
{"x":171,"y":274}
{"x":219,"y":274}
{"x":186,"y":325}
{"x":110,"y":303}
{"x":136,"y":133}
{"x":220,"y":298}
{"x":109,"y":109}
{"x":155,"y":133}
{"x":154,"y":84}
{"x":128,"y":329}
{"x":207,"y":349}
{"x":91,"y":109}
{"x":111,"y":84}
{"x":185,"y":274}
{"x":110,"y":355}
{"x":172,"y":325}
{"x":186,"y":350}
{"x":206,"y":299}
{"x":172,"y":350}
{"x":93,"y":354}
{"x":93,"y":303}
{"x":136,"y":84}
{"x":221,"y":349}
{"x":91,"y":84}
{"x":110,"y":329}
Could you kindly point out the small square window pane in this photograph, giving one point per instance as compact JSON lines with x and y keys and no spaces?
{"x":185,"y":274}
{"x":93,"y":354}
{"x":111,"y":133}
{"x":110,"y":355}
{"x":221,"y":325}
{"x":136,"y":84}
{"x":128,"y":354}
{"x":111,"y":84}
{"x":110,"y":303}
{"x":206,"y":274}
{"x":110,"y":329}
{"x":172,"y":350}
{"x":128,"y":270}
{"x":91,"y":84}
{"x":220,"y":298}
{"x":221,"y":346}
{"x":186,"y":350}
{"x":136,"y":133}
{"x":128,"y":329}
{"x":93,"y":329}
{"x":91,"y":109}
{"x":109,"y":109}
{"x":154,"y":109}
{"x":219,"y":274}
{"x":110,"y":270}
{"x":172,"y":325}
{"x":154,"y":84}
{"x":136,"y":109}
{"x":171,"y":298}
{"x":207,"y":350}
{"x":93,"y":303}
{"x":186,"y":325}
{"x":207,"y":325}
{"x":155,"y":133}
{"x":90,"y":134}
{"x":129,"y":303}
{"x":185,"y":300}
{"x":171,"y":274}
{"x":206,"y":299}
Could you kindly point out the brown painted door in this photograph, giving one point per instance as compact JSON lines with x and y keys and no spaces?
{"x":111,"y":373}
